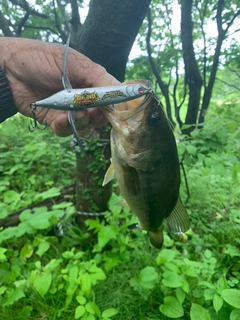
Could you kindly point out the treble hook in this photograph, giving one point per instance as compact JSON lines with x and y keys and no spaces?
{"x":33,"y":124}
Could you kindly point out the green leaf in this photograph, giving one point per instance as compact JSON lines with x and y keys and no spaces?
{"x":26,"y":251}
{"x":52,"y":265}
{"x":232,"y":251}
{"x":78,"y":255}
{"x":171,"y":308}
{"x":81,"y":299}
{"x":172,"y":279}
{"x":109,"y":313}
{"x":2,"y":289}
{"x":14,"y":296}
{"x":208,"y":254}
{"x":85,"y":282}
{"x":235,"y":314}
{"x":217,"y":302}
{"x":191,"y":149}
{"x":67,"y":254}
{"x":40,"y":222}
{"x":90,"y":317}
{"x":79,"y":311}
{"x":164,"y":256}
{"x":2,"y":253}
{"x":222,"y":284}
{"x":42,"y":283}
{"x":7,"y":233}
{"x":11,"y":196}
{"x":181,"y":295}
{"x":106,"y":234}
{"x":185,"y":285}
{"x":96,"y":273}
{"x":89,"y":308}
{"x":206,"y":284}
{"x":42,"y":248}
{"x":147,"y":277}
{"x":197,"y":312}
{"x":232,"y":297}
{"x":25,"y":215}
{"x":50,"y":193}
{"x":96,"y":309}
{"x":3,"y":213}
{"x":73,"y":275}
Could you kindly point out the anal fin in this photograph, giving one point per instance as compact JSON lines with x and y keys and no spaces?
{"x":109,"y":175}
{"x":178,"y":221}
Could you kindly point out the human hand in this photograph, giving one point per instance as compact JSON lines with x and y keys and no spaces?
{"x":34,"y":71}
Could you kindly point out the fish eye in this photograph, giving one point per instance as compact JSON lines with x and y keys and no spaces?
{"x":153,"y":119}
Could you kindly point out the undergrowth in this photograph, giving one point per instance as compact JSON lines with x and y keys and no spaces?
{"x":111,"y":272}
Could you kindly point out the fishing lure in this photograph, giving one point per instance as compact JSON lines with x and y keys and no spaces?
{"x":77,"y":99}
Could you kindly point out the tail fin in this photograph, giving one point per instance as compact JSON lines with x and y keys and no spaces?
{"x":178,"y":221}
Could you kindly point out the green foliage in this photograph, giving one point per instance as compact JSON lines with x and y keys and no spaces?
{"x":27,"y":174}
{"x":111,"y":272}
{"x":171,"y":56}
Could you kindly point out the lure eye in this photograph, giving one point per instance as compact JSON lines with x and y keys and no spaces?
{"x":154,"y":119}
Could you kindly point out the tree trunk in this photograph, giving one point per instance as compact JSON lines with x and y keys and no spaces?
{"x":106,"y":37}
{"x":91,"y":196}
{"x":192,"y":75}
{"x":109,"y":31}
{"x":208,"y":91}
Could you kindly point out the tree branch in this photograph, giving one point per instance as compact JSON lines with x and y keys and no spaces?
{"x":32,"y":11}
{"x":63,"y":36}
{"x":4,"y":26}
{"x":174,"y":92}
{"x":232,"y":20}
{"x":219,"y":16}
{"x":192,"y":77}
{"x":22,"y":22}
{"x":40,"y":28}
{"x":162,"y":85}
{"x":202,"y":15}
{"x":221,"y":36}
{"x":64,"y":17}
{"x":75,"y":21}
{"x":229,"y":84}
{"x":235,"y":31}
{"x":234,"y":71}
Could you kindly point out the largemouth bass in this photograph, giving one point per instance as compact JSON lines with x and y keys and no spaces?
{"x":145,"y":164}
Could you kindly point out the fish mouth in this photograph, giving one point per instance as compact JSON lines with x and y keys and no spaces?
{"x":120,"y":115}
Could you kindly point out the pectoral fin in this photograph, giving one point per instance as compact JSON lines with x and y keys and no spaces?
{"x":123,"y":204}
{"x":178,"y":221}
{"x":109,"y":175}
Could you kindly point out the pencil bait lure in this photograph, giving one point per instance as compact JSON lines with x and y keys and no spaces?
{"x":77,"y":99}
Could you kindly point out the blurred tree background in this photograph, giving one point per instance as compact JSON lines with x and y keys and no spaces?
{"x":183,"y":44}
